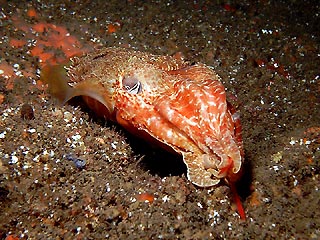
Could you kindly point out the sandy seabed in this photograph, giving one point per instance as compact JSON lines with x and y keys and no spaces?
{"x":65,"y":174}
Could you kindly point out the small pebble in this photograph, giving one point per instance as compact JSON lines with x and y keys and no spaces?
{"x":80,"y":163}
{"x":27,"y":112}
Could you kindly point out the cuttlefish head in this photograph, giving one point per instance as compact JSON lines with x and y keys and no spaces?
{"x":198,"y":107}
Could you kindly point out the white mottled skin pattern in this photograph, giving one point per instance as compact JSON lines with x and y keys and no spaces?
{"x":182,"y":106}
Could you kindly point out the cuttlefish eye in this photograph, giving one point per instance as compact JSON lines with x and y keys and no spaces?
{"x":132,"y":84}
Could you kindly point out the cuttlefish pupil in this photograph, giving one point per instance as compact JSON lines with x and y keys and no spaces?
{"x":132,"y":85}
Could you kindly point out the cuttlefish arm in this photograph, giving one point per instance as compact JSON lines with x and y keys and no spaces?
{"x":198,"y":106}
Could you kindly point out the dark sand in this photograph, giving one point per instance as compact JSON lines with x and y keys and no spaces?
{"x":267,"y":54}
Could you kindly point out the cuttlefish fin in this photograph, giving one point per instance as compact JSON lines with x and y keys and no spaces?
{"x":56,"y":78}
{"x":97,"y":97}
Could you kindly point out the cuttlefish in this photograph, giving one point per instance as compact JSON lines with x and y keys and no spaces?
{"x":182,"y":106}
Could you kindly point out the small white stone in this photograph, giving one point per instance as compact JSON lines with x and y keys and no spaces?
{"x":14,"y":159}
{"x":3,"y":134}
{"x":165,"y":198}
{"x":76,"y":137}
{"x":36,"y":158}
{"x":45,"y":167}
{"x":292,"y":142}
{"x":32,"y":130}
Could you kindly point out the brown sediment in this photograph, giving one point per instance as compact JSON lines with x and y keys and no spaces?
{"x":44,"y":195}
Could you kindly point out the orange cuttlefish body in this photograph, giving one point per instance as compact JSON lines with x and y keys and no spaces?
{"x":182,"y":106}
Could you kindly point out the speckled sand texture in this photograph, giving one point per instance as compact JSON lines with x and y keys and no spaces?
{"x":66,"y":174}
